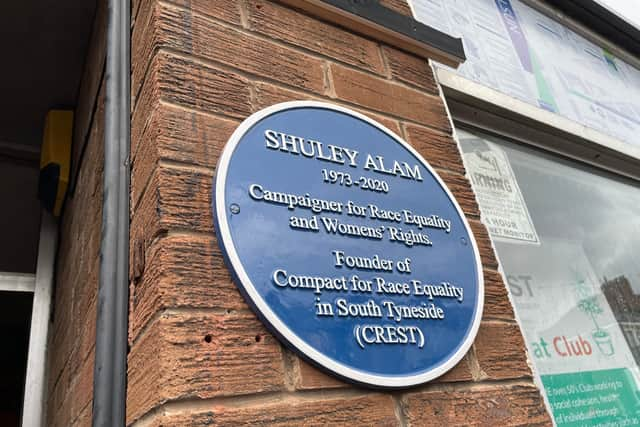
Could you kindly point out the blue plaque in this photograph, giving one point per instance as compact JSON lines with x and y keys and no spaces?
{"x":347,"y":245}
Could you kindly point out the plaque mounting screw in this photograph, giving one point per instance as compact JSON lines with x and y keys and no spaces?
{"x":234,"y":208}
{"x":463,"y":240}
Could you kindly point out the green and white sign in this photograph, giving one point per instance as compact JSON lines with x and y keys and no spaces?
{"x":589,"y":375}
{"x":593,"y":398}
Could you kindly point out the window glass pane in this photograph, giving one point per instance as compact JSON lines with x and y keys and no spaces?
{"x":568,"y":239}
{"x":527,"y":55}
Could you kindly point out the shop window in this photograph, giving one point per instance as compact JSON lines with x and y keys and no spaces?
{"x":568,"y":240}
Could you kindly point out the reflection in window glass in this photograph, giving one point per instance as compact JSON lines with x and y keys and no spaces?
{"x":568,"y":239}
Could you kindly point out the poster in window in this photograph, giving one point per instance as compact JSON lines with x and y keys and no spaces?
{"x":504,"y":211}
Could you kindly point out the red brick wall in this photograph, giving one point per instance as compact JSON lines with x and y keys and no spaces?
{"x":198,"y":354}
{"x":71,"y":343}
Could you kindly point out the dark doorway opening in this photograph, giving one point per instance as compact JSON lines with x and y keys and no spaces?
{"x":15,"y":320}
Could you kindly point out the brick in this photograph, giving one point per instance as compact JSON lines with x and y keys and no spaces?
{"x":85,"y":418}
{"x":142,"y":124}
{"x":145,"y":30}
{"x":185,"y":199}
{"x":192,"y":85}
{"x":82,"y":388}
{"x":487,"y":255}
{"x":195,"y":85}
{"x":410,"y":69}
{"x":85,"y":300}
{"x":388,"y":97}
{"x":267,"y":94}
{"x":400,"y":6}
{"x":62,"y":417}
{"x":85,"y":214}
{"x":461,"y":190}
{"x":191,"y":137}
{"x":145,"y":374}
{"x":500,"y":351}
{"x":460,"y":372}
{"x":91,"y":83}
{"x":482,"y":405}
{"x":182,"y":271}
{"x":439,"y":149}
{"x":179,"y":135}
{"x":85,"y":342}
{"x":135,"y":8}
{"x":201,"y":355}
{"x":58,"y":392}
{"x":371,"y":409}
{"x":142,"y":51}
{"x":308,"y":377}
{"x":224,"y":10}
{"x":298,"y":29}
{"x":496,"y":298}
{"x":145,"y":227}
{"x":62,"y":335}
{"x":194,"y":34}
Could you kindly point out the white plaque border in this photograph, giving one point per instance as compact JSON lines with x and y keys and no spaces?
{"x":224,"y":235}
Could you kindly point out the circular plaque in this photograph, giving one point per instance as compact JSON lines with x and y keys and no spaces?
{"x":347,"y":244}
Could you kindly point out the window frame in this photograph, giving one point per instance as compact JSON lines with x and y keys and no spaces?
{"x":480,"y":107}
